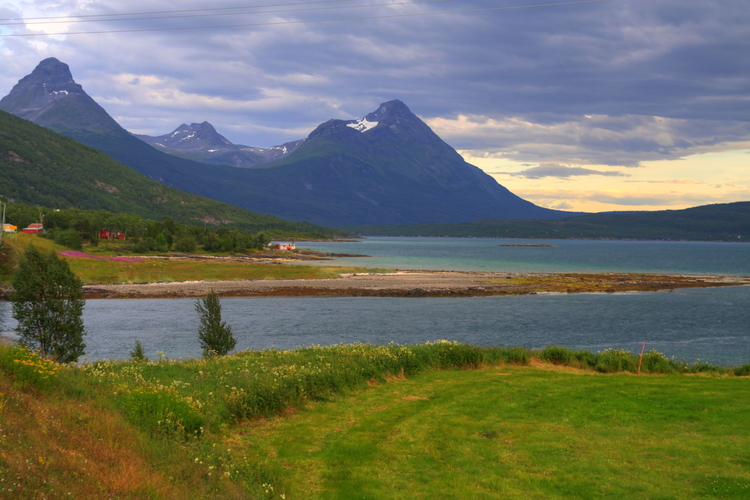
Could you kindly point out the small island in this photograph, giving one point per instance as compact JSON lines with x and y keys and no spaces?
{"x":528,"y":245}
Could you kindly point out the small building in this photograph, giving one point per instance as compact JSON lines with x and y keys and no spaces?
{"x":109,"y":234}
{"x":8,"y":228}
{"x":34,"y":228}
{"x":283,"y":246}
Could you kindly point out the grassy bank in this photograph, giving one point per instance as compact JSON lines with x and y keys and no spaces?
{"x":440,"y":420}
{"x":95,"y":271}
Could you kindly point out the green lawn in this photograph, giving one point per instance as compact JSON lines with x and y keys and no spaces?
{"x":517,"y":432}
{"x":440,"y":420}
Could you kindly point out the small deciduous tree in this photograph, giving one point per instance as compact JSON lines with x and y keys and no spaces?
{"x":215,"y":335}
{"x":48,"y":304}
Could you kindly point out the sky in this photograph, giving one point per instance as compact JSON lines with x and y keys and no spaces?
{"x":587,"y":106}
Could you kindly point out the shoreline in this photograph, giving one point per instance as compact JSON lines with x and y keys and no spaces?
{"x":418,"y":284}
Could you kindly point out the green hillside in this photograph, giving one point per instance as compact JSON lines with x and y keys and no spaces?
{"x":720,"y":222}
{"x":41,"y":167}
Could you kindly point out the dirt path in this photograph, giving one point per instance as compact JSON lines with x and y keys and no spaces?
{"x":418,"y":284}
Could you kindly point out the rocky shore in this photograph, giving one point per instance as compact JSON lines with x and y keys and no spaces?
{"x":417,"y":284}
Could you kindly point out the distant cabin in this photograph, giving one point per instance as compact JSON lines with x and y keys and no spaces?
{"x":109,"y":234}
{"x":34,"y":228}
{"x":283,"y":246}
{"x":9,"y":228}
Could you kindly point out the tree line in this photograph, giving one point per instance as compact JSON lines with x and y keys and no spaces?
{"x":74,"y":227}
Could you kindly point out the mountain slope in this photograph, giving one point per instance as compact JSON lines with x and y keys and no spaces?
{"x":41,"y":167}
{"x":387,"y":168}
{"x":719,"y":222}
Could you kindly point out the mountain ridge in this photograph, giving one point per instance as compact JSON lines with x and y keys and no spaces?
{"x":386,"y":168}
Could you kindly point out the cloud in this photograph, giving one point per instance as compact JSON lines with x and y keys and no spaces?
{"x":550,"y":197}
{"x":612,"y":83}
{"x":591,"y":139}
{"x":562,"y":171}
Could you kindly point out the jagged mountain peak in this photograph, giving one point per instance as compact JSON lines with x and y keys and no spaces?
{"x":49,"y":96}
{"x":390,"y":109}
{"x":392,"y":117}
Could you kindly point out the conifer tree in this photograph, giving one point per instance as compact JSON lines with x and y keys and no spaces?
{"x":48,"y":304}
{"x":215,"y":335}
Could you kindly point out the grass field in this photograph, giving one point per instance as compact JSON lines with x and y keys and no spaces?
{"x":94,"y":271}
{"x":440,"y":420}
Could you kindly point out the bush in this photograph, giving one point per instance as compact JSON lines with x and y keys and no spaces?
{"x":517,"y":355}
{"x":585,"y":359}
{"x":68,"y":238}
{"x":742,"y":371}
{"x":656,"y":362}
{"x":616,"y":360}
{"x":186,"y":244}
{"x":557,"y":355}
{"x":160,"y":242}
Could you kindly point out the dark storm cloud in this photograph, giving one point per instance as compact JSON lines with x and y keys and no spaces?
{"x":536,"y":73}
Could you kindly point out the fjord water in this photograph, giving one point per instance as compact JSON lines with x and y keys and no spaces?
{"x":711,"y":324}
{"x":491,"y":254}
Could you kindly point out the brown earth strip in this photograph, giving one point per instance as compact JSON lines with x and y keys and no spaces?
{"x":418,"y":284}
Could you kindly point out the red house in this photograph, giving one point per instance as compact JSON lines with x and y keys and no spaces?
{"x":109,"y":234}
{"x":34,"y":228}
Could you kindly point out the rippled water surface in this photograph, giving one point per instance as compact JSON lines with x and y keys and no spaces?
{"x":707,"y":324}
{"x":489,"y":254}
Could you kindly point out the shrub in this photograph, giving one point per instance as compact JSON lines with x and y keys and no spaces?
{"x":68,"y":238}
{"x":742,"y":371}
{"x":517,"y":355}
{"x":616,"y":360}
{"x":585,"y":359}
{"x":160,"y":243}
{"x":557,"y":355}
{"x":656,"y":362}
{"x":186,"y":244}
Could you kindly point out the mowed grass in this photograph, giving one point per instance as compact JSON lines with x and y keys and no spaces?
{"x":153,"y":270}
{"x":440,"y":420}
{"x":517,"y":432}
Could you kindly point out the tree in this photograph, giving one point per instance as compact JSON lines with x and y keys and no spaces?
{"x":48,"y":304}
{"x":137,"y":354}
{"x":215,"y":335}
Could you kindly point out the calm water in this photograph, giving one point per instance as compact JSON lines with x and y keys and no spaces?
{"x":487,"y":254}
{"x":706,"y":324}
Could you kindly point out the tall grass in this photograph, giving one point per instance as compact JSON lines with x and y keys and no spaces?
{"x":188,"y":396}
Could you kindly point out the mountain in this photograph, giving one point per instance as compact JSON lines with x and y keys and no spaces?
{"x":386,"y":168}
{"x":41,"y":167}
{"x":201,"y":142}
{"x":718,"y":222}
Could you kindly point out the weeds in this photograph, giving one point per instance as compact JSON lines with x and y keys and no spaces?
{"x":27,"y":367}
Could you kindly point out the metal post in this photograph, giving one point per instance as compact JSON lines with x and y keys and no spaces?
{"x":2,"y":229}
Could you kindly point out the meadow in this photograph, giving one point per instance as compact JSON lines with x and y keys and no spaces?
{"x":436,"y":420}
{"x":154,"y":270}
